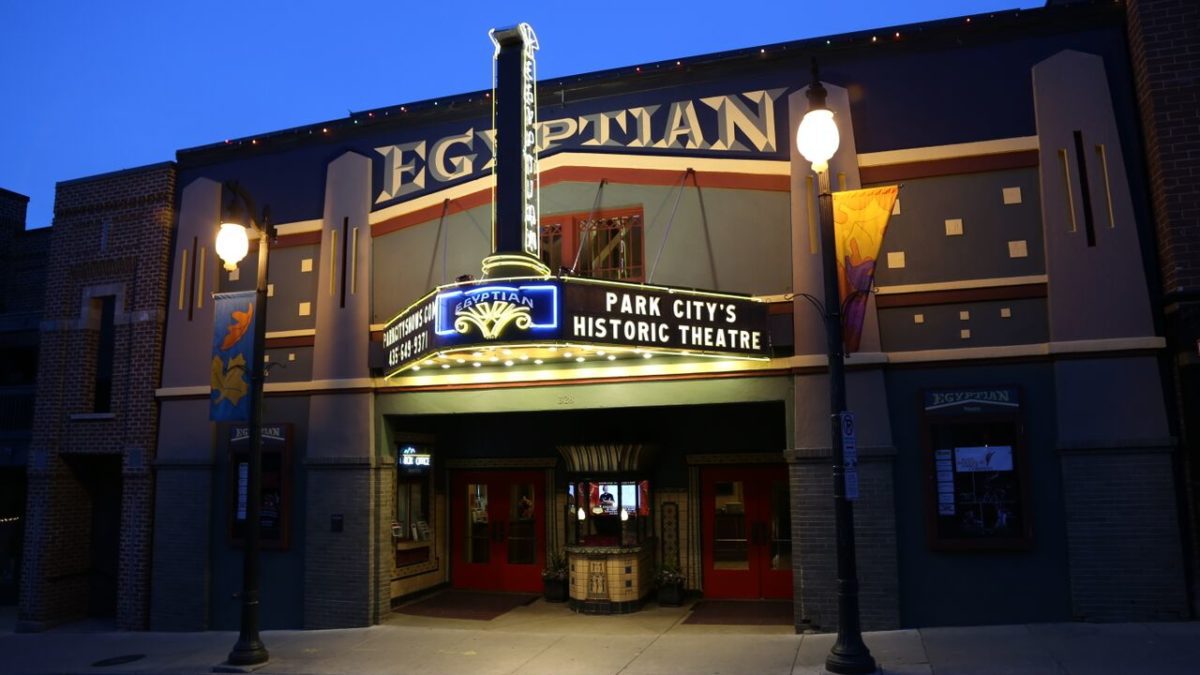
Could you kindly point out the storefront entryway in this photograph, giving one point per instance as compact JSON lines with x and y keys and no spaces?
{"x":747,"y":532}
{"x":498,"y":530}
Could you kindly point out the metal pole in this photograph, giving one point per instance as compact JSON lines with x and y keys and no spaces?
{"x":250,"y":649}
{"x":849,"y":654}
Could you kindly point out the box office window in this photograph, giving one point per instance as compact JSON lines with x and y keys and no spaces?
{"x":608,"y":512}
{"x":976,"y":467}
{"x":608,"y":244}
{"x":412,"y":526}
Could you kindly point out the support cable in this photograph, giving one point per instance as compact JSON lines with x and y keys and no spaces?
{"x":670,"y":221}
{"x":589,"y":223}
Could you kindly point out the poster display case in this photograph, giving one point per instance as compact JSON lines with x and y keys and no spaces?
{"x":977,"y":482}
{"x":275,"y":509}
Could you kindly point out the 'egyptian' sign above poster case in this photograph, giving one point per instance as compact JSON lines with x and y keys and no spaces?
{"x":568,"y":311}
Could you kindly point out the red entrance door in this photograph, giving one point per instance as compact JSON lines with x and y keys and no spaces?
{"x":747,"y":532}
{"x":498,"y":530}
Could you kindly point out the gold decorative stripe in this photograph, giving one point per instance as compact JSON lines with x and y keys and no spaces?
{"x":960,"y":285}
{"x":1112,"y":222}
{"x":1062,"y":158}
{"x":936,"y":152}
{"x":332,"y":259}
{"x":183,"y":268}
{"x":354,"y":261}
{"x":200,"y":277}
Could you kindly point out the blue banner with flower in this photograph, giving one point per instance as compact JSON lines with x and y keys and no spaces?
{"x":232,"y":354}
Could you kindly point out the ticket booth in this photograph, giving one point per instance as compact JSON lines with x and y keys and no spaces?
{"x":610,"y":542}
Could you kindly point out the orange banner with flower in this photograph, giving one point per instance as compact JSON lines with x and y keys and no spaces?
{"x":860,"y":219}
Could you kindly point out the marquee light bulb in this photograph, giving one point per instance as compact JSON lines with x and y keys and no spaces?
{"x":624,"y":515}
{"x":582,"y":515}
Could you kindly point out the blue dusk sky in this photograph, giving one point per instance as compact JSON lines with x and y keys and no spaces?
{"x":93,"y":87}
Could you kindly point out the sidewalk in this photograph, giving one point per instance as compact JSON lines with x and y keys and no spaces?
{"x":543,"y":638}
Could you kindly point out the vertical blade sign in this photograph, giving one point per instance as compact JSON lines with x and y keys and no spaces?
{"x":516,"y":239}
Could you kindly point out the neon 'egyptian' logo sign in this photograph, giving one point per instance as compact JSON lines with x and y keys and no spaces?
{"x":497,"y":310}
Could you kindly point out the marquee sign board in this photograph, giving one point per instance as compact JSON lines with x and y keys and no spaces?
{"x":572,"y":311}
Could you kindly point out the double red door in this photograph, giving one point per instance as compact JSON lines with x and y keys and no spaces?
{"x":498,"y":530}
{"x":747,"y":542}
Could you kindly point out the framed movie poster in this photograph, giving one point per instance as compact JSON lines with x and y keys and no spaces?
{"x":276,"y":505}
{"x":977,"y":484}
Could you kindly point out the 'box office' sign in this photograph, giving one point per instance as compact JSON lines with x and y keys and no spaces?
{"x":564,"y":310}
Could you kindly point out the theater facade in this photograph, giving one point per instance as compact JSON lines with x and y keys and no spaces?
{"x":654,"y":390}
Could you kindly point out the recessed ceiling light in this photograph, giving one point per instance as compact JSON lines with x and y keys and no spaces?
{"x":477,"y":364}
{"x":445,"y":365}
{"x":566,"y":355}
{"x":524,"y":357}
{"x":508,"y":363}
{"x":416,"y":367}
{"x":494,"y":359}
{"x":478,"y":355}
{"x":647,"y":355}
{"x":601,"y":353}
{"x":612,"y":357}
{"x":579,"y":359}
{"x":459,"y":360}
{"x":537,"y":361}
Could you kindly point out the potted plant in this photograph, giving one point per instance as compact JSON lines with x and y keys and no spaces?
{"x":669,"y":580}
{"x":554,"y":578}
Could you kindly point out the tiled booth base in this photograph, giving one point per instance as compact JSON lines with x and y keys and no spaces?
{"x":609,"y":580}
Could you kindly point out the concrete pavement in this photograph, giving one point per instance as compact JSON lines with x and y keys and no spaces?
{"x":542,"y":638}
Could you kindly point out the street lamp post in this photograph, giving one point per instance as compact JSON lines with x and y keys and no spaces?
{"x":232,"y":245}
{"x":817,"y":140}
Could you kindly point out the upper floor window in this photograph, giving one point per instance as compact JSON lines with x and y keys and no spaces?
{"x":105,"y":307}
{"x":607,"y":244}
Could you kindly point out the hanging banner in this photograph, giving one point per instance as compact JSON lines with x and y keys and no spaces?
{"x":232,"y":353}
{"x":860,"y":220}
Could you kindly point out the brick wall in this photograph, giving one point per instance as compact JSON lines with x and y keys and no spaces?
{"x":1122,"y":536}
{"x":338,"y":566}
{"x":111,"y":236}
{"x":814,"y":543}
{"x":22,"y":257}
{"x":1163,"y":38}
{"x":181,"y":577}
